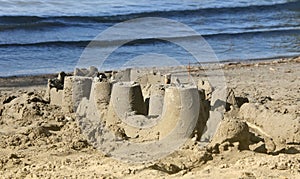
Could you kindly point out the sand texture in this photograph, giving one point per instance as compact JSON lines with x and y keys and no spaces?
{"x":258,"y":136}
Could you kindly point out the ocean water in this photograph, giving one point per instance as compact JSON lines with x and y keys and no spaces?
{"x":41,"y":36}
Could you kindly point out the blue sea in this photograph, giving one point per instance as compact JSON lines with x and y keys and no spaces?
{"x":43,"y":36}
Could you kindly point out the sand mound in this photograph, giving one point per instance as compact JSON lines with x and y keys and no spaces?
{"x":231,"y":133}
{"x":280,"y":131}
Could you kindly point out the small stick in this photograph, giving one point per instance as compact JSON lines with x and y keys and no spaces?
{"x":189,"y":70}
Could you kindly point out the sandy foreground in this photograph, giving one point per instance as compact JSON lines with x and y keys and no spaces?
{"x":258,"y":138}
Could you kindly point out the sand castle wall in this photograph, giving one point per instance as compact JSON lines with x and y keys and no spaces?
{"x":156,"y":101}
{"x":56,"y":96}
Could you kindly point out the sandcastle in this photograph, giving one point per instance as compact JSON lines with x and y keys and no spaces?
{"x":144,"y":104}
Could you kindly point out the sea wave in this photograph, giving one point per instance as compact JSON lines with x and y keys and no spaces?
{"x":34,"y":22}
{"x":84,"y":43}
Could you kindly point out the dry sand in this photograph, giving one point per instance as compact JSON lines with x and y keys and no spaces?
{"x":257,"y":139}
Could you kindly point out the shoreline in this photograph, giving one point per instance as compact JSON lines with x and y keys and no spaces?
{"x":42,"y":79}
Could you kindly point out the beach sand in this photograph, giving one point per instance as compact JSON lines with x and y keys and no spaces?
{"x":258,"y":139}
